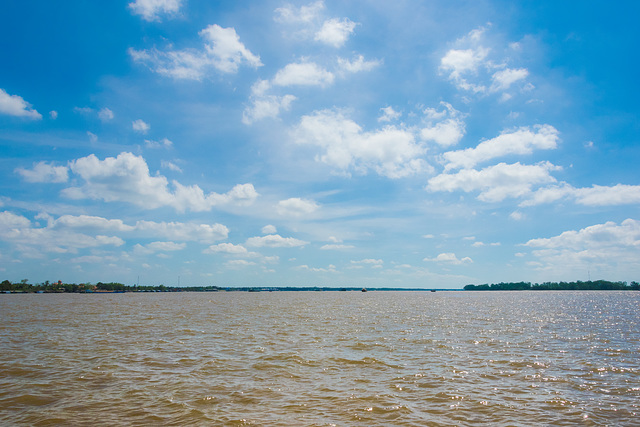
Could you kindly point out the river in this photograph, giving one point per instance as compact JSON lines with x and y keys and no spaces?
{"x":321,"y":359}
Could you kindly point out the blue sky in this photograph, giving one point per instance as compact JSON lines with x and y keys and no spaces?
{"x":363,"y":143}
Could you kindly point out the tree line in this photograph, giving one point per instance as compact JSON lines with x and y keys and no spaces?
{"x":60,"y":287}
{"x":590,"y":285}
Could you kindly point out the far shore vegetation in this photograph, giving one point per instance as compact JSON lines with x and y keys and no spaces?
{"x":113,"y":287}
{"x":595,"y":285}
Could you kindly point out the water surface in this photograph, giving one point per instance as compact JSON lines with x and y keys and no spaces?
{"x":321,"y":358}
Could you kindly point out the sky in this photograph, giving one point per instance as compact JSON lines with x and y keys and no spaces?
{"x":417,"y":144}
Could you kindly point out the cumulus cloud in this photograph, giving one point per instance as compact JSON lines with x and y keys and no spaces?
{"x":503,"y":79}
{"x":470,"y":69}
{"x":269,"y":229}
{"x":596,"y":195}
{"x":335,"y":247}
{"x":357,"y":64}
{"x":449,"y":258}
{"x":330,"y":269}
{"x":264,"y":105}
{"x":171,"y":166}
{"x":33,"y":239}
{"x":126,"y":178}
{"x":14,"y":105}
{"x":303,"y":74}
{"x":391,"y":151}
{"x":154,"y":247}
{"x":163,"y":143}
{"x":335,"y":32}
{"x":44,"y":172}
{"x":444,"y":127}
{"x":608,"y":248}
{"x":140,"y":126}
{"x":304,"y":14}
{"x":151,"y":10}
{"x":227,"y":248}
{"x":105,"y":114}
{"x":461,"y":62}
{"x":275,"y":241}
{"x":183,"y":231}
{"x":178,"y":231}
{"x":521,"y":141}
{"x":222,"y":51}
{"x":296,"y":207}
{"x":389,"y":114}
{"x":497,"y":182}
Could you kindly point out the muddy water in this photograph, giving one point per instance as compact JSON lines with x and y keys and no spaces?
{"x":321,"y":359}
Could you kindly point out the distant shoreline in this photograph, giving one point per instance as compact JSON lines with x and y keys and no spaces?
{"x":114,"y":287}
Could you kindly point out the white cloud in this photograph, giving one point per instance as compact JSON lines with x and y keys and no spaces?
{"x":222,"y":50}
{"x":503,"y":79}
{"x":390,"y":152}
{"x":607,"y":248}
{"x":89,"y":222}
{"x":303,"y":14}
{"x":269,"y":229}
{"x":227,"y":248}
{"x":140,"y":126}
{"x":357,"y":65}
{"x":461,"y":62}
{"x":105,"y":114}
{"x":297,"y":207}
{"x":626,"y":234}
{"x":126,"y":178}
{"x":171,"y":166}
{"x":161,"y":247}
{"x":445,"y":127}
{"x":335,"y":32}
{"x":197,"y":232}
{"x":31,"y":239}
{"x":93,"y":138}
{"x":446,"y":133}
{"x":482,"y":244}
{"x":469,"y":67}
{"x":14,"y":105}
{"x":275,"y":241}
{"x":53,"y":114}
{"x":330,"y":269}
{"x":205,"y":233}
{"x":303,"y":74}
{"x":44,"y":172}
{"x":163,"y":143}
{"x":225,"y":49}
{"x":264,"y":105}
{"x":495,"y":182}
{"x":389,"y":114}
{"x":597,"y":195}
{"x":521,"y":141}
{"x":334,"y":247}
{"x":516,"y":216}
{"x":449,"y":258}
{"x":150,"y":10}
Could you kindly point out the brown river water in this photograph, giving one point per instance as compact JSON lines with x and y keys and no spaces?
{"x":321,"y":359}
